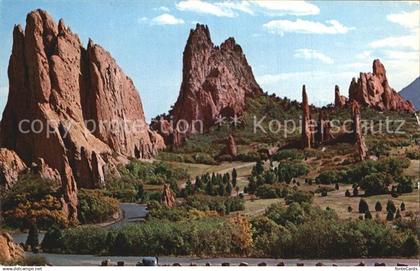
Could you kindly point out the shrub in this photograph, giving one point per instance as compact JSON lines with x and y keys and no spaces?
{"x":32,"y":239}
{"x":330,"y":177}
{"x":410,"y":246}
{"x":368,"y":215}
{"x":291,"y":154}
{"x":398,"y":214}
{"x":299,"y":197}
{"x":349,"y":209}
{"x":288,"y":170}
{"x":363,"y":206}
{"x":53,"y":240}
{"x":223,"y":205}
{"x":376,"y":183}
{"x":94,"y":207}
{"x":347,"y":194}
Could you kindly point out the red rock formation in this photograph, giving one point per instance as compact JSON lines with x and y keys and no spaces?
{"x":82,"y":99}
{"x":307,"y":135}
{"x":323,"y":132}
{"x":359,"y":139}
{"x":10,"y":167}
{"x":340,"y":100}
{"x":231,"y":148}
{"x":372,"y":89}
{"x":216,"y":80}
{"x":168,"y":197}
{"x":10,"y":252}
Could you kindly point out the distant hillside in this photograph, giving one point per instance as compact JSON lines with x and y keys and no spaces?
{"x":412,"y":93}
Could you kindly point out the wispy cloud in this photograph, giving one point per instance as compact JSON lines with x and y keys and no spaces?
{"x":233,"y":8}
{"x":408,"y":20}
{"x":163,"y":9}
{"x":166,"y":19}
{"x":312,"y":54}
{"x":305,"y":27}
{"x":297,"y":8}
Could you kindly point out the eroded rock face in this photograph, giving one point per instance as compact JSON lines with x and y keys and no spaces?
{"x":10,"y":167}
{"x":372,"y":89}
{"x":323,"y":132}
{"x":10,"y":252}
{"x":307,"y":135}
{"x":359,"y":139}
{"x":231,"y":148}
{"x":80,"y":97}
{"x":216,"y":80}
{"x":340,"y":101}
{"x":168,"y":197}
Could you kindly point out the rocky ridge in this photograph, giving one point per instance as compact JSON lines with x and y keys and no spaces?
{"x":83,"y":101}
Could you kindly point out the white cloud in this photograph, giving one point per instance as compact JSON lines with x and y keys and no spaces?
{"x":298,"y":8}
{"x":410,"y":41}
{"x":163,"y":9}
{"x":306,"y":27}
{"x":205,"y":8}
{"x":231,"y":8}
{"x":406,"y":19}
{"x":313,"y":54}
{"x":364,"y":55}
{"x":166,"y":19}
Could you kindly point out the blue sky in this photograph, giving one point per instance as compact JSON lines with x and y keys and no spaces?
{"x":317,"y":43}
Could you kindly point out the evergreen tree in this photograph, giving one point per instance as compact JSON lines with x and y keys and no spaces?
{"x":355,"y":191}
{"x":402,"y":206}
{"x":368,"y":215}
{"x":121,"y":245}
{"x":337,"y":187}
{"x":410,"y":246}
{"x":349,"y":209}
{"x":140,"y":191}
{"x":378,"y":206}
{"x":259,"y":167}
{"x":32,"y":239}
{"x":210,"y":188}
{"x":363,"y":206}
{"x":198,"y":184}
{"x":234,"y":177}
{"x":189,"y":190}
{"x":53,"y":240}
{"x":390,"y":206}
{"x":221,"y":190}
{"x":347,"y":194}
{"x":390,"y":216}
{"x":229,"y":189}
{"x":252,"y":186}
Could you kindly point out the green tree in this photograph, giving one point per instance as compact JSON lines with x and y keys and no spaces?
{"x":363,"y":206}
{"x":368,"y":215}
{"x":355,"y":191}
{"x":121,"y":245}
{"x":209,"y":188}
{"x":390,"y":216}
{"x":189,"y":190}
{"x":234,"y":177}
{"x":32,"y":239}
{"x":259,"y":167}
{"x":229,"y":188}
{"x":347,"y":194}
{"x":349,"y":209}
{"x":378,"y":206}
{"x":222,"y":190}
{"x":410,"y":246}
{"x":53,"y":240}
{"x":390,"y":206}
{"x":402,"y":206}
{"x":198,"y":183}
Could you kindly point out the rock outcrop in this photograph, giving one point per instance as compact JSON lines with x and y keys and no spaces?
{"x":216,"y":81}
{"x":10,"y":167}
{"x":323,"y":131}
{"x":231,"y":148}
{"x":373,"y":90}
{"x":87,"y":110}
{"x":168,"y":198}
{"x":10,"y":252}
{"x":359,"y":138}
{"x":340,"y":100}
{"x":307,"y":132}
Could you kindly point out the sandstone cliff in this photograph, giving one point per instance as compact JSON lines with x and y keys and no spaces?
{"x":10,"y":252}
{"x":373,"y":89}
{"x":216,"y":81}
{"x":89,"y":111}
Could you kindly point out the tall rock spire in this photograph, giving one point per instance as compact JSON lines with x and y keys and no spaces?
{"x":307,"y":135}
{"x":359,"y":138}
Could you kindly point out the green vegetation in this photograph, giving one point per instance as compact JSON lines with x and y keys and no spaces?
{"x":94,"y":207}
